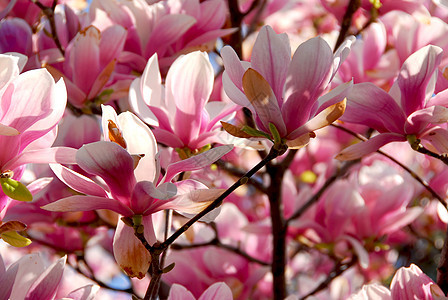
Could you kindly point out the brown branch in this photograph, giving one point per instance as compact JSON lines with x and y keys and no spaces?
{"x":347,"y":22}
{"x":49,"y":13}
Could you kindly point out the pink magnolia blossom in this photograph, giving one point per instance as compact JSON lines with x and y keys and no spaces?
{"x":287,"y":92}
{"x":130,"y":192}
{"x":409,"y":110}
{"x":369,"y":61}
{"x":409,"y":33}
{"x":32,"y":105}
{"x":167,"y":28}
{"x":180,"y":111}
{"x":90,"y":60}
{"x":28,"y":278}
{"x":407,"y":283}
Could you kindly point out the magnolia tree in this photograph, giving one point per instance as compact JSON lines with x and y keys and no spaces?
{"x":186,"y":149}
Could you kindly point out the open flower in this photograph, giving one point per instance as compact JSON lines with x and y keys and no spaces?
{"x":284,"y":92}
{"x":408,"y":112}
{"x":125,"y":194}
{"x":180,"y":110}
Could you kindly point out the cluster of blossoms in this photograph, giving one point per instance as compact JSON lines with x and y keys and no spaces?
{"x":219,"y":149}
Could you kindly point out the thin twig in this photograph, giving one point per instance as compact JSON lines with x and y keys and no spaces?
{"x":339,"y":173}
{"x":49,"y":13}
{"x":347,"y":22}
{"x":338,"y":269}
{"x":412,"y":173}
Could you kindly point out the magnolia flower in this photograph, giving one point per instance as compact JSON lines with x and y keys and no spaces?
{"x":179,"y":110}
{"x":284,"y":92}
{"x":132,"y":192}
{"x":407,"y":283}
{"x":408,"y":112}
{"x":28,"y":278}
{"x":31,"y":107}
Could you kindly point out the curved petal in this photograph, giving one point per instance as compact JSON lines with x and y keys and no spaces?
{"x":189,"y":84}
{"x":415,"y":76}
{"x":178,"y":292}
{"x":140,"y":140}
{"x":145,"y":194}
{"x":77,"y":181}
{"x":57,"y":155}
{"x":46,"y":284}
{"x":420,"y":119}
{"x":438,"y":137}
{"x":129,"y":252}
{"x":271,"y":56}
{"x":196,"y":162}
{"x":217,"y":291}
{"x":87,"y":292}
{"x":369,"y":105}
{"x":363,"y":148}
{"x":88,"y":203}
{"x":138,"y":105}
{"x":310,"y":69}
{"x":110,"y":162}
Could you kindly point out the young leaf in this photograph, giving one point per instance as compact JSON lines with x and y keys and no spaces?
{"x":15,"y":239}
{"x":15,"y":190}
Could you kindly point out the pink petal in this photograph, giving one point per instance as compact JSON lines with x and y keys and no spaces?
{"x":369,"y":105}
{"x":420,"y":119}
{"x":196,"y":162}
{"x":398,"y":220}
{"x":310,"y":69}
{"x":168,"y":138}
{"x":232,"y":78}
{"x":189,"y":84}
{"x":88,"y":203}
{"x":178,"y":292}
{"x":87,"y":292}
{"x":78,"y":182}
{"x":61,"y":155}
{"x":363,"y":148}
{"x":217,"y":291}
{"x":168,"y":29}
{"x":85,"y":58}
{"x":415,"y":75}
{"x":112,"y":163}
{"x":271,"y":56}
{"x":129,"y":252}
{"x":138,"y":105}
{"x":145,"y":194}
{"x":375,"y":41}
{"x":29,"y":267}
{"x":46,"y":284}
{"x":360,"y":251}
{"x":34,"y":118}
{"x":141,"y":141}
{"x":438,"y":137}
{"x":410,"y":283}
{"x":111,"y":44}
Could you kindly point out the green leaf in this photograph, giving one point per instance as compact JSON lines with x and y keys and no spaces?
{"x":254,"y":132}
{"x":15,"y":190}
{"x":15,"y":239}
